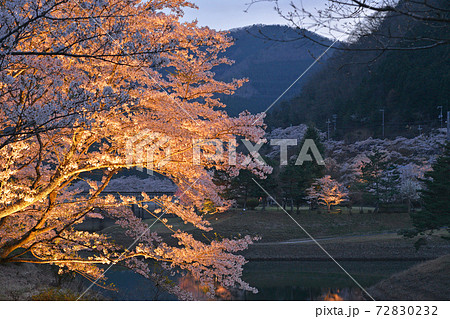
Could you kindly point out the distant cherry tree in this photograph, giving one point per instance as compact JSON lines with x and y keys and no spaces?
{"x":327,"y":191}
{"x":411,"y":182}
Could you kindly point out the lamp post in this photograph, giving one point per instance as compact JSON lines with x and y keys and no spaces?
{"x":441,"y":116}
{"x":328,"y":128}
{"x":382,"y":123}
{"x":334,"y":122}
{"x":448,"y":125}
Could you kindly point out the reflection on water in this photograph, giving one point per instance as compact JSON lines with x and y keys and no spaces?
{"x":199,"y":293}
{"x":316,"y":280}
{"x":332,"y":297}
{"x":286,"y":280}
{"x":307,"y":293}
{"x":352,"y":293}
{"x":273,"y":293}
{"x":301,"y":280}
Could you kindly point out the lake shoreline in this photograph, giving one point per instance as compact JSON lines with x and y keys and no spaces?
{"x":425,"y":281}
{"x":381,"y":248}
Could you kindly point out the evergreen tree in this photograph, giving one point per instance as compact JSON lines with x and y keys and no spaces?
{"x":291,"y":182}
{"x":295,"y":179}
{"x":243,"y":188}
{"x":378,"y":179}
{"x":435,"y":197}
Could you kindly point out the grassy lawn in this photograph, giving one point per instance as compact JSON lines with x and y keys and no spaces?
{"x":275,"y":225}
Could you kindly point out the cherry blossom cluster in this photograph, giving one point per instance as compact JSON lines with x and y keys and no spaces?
{"x":78,"y":81}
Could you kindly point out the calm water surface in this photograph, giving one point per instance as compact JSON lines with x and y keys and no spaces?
{"x":275,"y":280}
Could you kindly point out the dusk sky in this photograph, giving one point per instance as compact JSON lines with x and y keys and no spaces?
{"x":228,"y":14}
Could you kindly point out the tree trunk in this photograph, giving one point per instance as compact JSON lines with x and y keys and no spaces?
{"x":245,"y":199}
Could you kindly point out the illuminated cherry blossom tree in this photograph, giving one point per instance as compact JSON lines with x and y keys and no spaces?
{"x":327,"y":191}
{"x":78,"y":81}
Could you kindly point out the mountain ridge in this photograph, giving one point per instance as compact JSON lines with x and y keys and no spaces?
{"x":270,"y":66}
{"x":355,"y":85}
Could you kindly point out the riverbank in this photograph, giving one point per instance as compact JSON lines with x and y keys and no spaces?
{"x":374,"y":247}
{"x":425,"y":281}
{"x":26,"y":282}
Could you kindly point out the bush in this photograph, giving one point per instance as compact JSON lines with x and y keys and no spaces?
{"x":252,"y":203}
{"x":240,"y":203}
{"x":209,"y":207}
{"x":393,"y":208}
{"x":55,"y":294}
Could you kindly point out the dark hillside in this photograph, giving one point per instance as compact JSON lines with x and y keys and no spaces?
{"x":356,"y":84}
{"x":270,"y":66}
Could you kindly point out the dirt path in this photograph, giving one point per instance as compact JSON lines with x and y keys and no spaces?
{"x":379,"y":246}
{"x":324,"y":239}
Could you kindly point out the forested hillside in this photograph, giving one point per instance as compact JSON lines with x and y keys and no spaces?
{"x":357,"y":83}
{"x":271,"y":57}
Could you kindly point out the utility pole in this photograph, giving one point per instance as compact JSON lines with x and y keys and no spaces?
{"x":441,"y":116}
{"x":334,"y":122}
{"x":382,"y":123}
{"x":448,"y":125}
{"x":328,"y":128}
